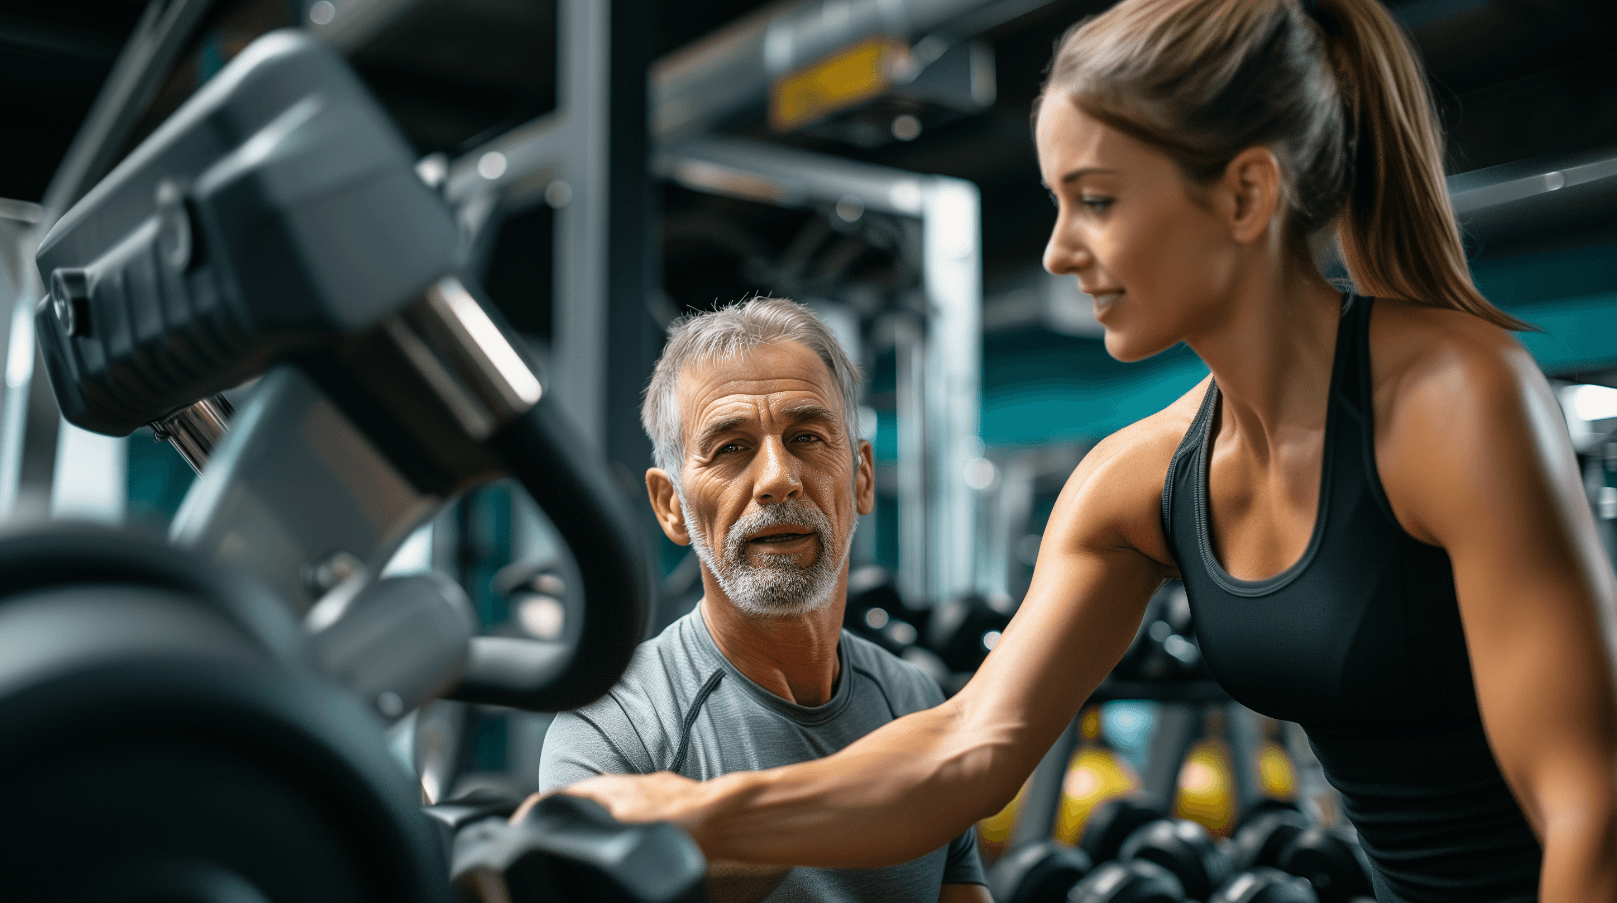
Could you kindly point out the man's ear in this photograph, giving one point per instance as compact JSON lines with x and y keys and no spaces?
{"x":864,"y":482}
{"x":665,"y":504}
{"x":1252,"y":189}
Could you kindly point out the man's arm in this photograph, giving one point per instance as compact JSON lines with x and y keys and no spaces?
{"x":583,"y":745}
{"x":735,"y":882}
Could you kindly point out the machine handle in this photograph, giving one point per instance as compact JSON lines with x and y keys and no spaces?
{"x":576,"y":491}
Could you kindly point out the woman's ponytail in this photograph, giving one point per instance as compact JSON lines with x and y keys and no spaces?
{"x":1398,"y":233}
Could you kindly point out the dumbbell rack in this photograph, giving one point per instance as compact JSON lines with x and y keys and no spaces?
{"x":1183,"y":706}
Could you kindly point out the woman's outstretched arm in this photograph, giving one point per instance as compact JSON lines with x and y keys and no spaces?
{"x":1476,"y":459}
{"x":907,"y":788}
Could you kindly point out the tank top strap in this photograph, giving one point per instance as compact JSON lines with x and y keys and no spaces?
{"x":1194,"y":437}
{"x":1355,"y":391}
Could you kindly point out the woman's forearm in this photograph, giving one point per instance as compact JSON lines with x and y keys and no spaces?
{"x":896,"y":794}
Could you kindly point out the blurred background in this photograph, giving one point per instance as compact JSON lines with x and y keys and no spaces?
{"x":614,"y":165}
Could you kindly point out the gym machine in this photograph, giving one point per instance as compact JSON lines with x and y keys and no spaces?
{"x":202,"y":719}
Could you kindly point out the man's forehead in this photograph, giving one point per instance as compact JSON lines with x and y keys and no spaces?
{"x":780,"y":376}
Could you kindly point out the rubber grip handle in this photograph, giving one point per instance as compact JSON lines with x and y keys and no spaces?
{"x":575,"y":489}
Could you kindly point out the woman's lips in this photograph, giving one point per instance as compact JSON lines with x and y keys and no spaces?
{"x":1105,"y":301}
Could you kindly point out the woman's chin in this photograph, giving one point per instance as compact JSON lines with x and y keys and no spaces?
{"x":1128,"y":349}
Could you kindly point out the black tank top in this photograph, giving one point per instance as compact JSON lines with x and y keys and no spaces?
{"x":1360,"y":642}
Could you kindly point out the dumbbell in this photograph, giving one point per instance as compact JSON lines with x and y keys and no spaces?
{"x":1265,"y":885}
{"x":1276,"y":834}
{"x":876,"y":612}
{"x":1204,"y":871}
{"x":569,"y":848}
{"x":1165,"y":646}
{"x":1111,"y":822}
{"x":1332,"y":861}
{"x":1136,"y":881}
{"x":1042,"y":872}
{"x":964,"y":629}
{"x":1183,"y":848}
{"x":1262,"y":838}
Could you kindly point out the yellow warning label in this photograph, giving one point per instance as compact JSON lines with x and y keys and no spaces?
{"x":858,"y":73}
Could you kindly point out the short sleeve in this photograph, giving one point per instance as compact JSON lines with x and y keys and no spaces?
{"x":587,"y":743}
{"x":963,"y":866}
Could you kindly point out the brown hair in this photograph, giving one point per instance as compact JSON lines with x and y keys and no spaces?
{"x":1338,"y":96}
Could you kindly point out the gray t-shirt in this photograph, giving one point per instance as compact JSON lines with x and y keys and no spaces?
{"x":682,"y":707}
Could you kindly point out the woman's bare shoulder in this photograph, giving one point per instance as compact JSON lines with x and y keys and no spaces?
{"x":1114,"y":497}
{"x":1428,"y":360}
{"x":1412,"y":342}
{"x":1447,"y":384}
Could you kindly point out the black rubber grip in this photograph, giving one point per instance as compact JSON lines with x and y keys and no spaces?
{"x":572,"y":485}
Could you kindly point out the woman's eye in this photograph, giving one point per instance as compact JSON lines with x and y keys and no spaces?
{"x":1054,"y":201}
{"x":1095,"y":204}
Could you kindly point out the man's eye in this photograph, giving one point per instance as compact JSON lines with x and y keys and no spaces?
{"x":728,"y":448}
{"x":1054,"y":201}
{"x":1095,"y":203}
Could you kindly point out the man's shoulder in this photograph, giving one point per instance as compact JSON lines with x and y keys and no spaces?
{"x":636,"y":725}
{"x":663,"y":674}
{"x":906,"y":686}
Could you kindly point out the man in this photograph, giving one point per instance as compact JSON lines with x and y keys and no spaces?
{"x":752,"y":412}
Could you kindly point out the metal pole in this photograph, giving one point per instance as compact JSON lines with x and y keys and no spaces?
{"x":952,"y":277}
{"x":580,"y":199}
{"x":1038,"y":816}
{"x":913,"y":548}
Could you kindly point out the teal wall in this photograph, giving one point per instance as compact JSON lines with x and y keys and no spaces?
{"x":1039,"y":387}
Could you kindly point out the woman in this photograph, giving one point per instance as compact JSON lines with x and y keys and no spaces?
{"x":1372,"y":502}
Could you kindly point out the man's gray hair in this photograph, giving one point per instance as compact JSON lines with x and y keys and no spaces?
{"x":728,"y":333}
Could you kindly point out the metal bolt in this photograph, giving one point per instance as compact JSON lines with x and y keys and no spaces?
{"x":70,"y":301}
{"x":323,"y":576}
{"x":389,"y":704}
{"x":173,"y":226}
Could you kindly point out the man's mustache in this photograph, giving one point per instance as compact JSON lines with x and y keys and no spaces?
{"x":797,"y":514}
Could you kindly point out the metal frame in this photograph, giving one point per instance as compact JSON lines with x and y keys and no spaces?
{"x":703,"y":86}
{"x":278,"y":495}
{"x":46,"y":464}
{"x":560,"y":159}
{"x":940,"y":356}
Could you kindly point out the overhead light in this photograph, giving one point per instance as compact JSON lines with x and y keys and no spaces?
{"x":1590,"y":403}
{"x":1583,"y":406}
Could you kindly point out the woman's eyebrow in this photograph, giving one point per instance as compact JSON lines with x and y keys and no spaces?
{"x":1077,"y":174}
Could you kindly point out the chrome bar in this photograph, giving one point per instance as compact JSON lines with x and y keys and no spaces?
{"x":195,"y":430}
{"x":471,"y":364}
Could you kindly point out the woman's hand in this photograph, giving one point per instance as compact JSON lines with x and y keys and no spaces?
{"x":663,"y":796}
{"x":633,"y":798}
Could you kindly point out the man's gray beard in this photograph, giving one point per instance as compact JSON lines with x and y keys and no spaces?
{"x":779,"y":587}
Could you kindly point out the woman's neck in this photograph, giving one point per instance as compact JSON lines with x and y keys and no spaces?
{"x":1272,"y":356}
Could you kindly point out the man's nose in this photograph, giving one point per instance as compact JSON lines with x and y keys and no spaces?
{"x":778,"y":475}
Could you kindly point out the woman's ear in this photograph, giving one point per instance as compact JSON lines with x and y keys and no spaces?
{"x":1252,"y":188}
